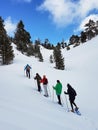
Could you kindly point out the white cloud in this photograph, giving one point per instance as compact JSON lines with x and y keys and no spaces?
{"x":10,"y":26}
{"x":59,"y":11}
{"x":85,"y":6}
{"x":64,"y":12}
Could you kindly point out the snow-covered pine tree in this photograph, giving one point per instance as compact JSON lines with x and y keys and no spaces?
{"x":58,"y":58}
{"x":40,"y":57}
{"x":6,"y":51}
{"x":37,"y":51}
{"x":22,"y":37}
{"x":51,"y":58}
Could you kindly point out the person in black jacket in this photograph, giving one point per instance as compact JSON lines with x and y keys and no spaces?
{"x":38,"y":79}
{"x":72,"y":93}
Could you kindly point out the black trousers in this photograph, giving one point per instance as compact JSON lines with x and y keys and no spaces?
{"x":72,"y":102}
{"x":39,"y":87}
{"x":59,"y":99}
{"x":28,"y":74}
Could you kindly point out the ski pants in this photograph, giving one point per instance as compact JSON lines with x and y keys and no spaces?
{"x":39,"y":87}
{"x":28,"y":73}
{"x":45,"y":89}
{"x":59,"y":99}
{"x":72,"y":102}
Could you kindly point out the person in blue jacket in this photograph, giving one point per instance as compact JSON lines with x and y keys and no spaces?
{"x":27,"y":68}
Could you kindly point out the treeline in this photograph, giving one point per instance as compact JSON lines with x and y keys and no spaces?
{"x":22,"y":40}
{"x":91,"y":30}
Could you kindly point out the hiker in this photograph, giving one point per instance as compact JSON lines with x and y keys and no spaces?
{"x":44,"y":80}
{"x":72,"y":93}
{"x":27,"y":68}
{"x":58,"y":89}
{"x":38,"y":79}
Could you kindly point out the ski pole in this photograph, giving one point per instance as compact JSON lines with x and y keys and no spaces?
{"x":35,"y":83}
{"x":67,"y":103}
{"x":53,"y":95}
{"x":31,"y":70}
{"x":24,"y":72}
{"x":49,"y":90}
{"x":62,"y":101}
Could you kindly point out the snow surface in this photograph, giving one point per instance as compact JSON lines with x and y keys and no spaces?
{"x":22,"y":107}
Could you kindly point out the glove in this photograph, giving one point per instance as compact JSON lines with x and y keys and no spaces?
{"x":53,"y":87}
{"x":65,"y":92}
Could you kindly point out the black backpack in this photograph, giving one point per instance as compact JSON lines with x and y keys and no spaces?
{"x":74,"y":92}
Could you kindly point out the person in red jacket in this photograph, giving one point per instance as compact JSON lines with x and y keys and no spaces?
{"x":44,"y":80}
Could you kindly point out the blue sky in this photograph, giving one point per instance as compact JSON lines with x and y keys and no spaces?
{"x":52,"y":19}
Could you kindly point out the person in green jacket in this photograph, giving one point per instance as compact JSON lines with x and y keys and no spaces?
{"x":58,"y":89}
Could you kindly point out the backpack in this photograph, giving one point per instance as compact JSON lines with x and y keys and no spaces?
{"x":74,"y":92}
{"x":28,"y":68}
{"x":46,"y":81}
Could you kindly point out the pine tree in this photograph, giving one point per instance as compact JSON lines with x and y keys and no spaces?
{"x":36,"y":47}
{"x":67,"y":47}
{"x":83,"y":37}
{"x":90,"y":29}
{"x":59,"y":60}
{"x":37,"y":50}
{"x":22,"y":37}
{"x":74,"y":40}
{"x":30,"y":50}
{"x":51,"y":58}
{"x":6,"y":52}
{"x":40,"y":57}
{"x":96,"y":28}
{"x":63,"y":44}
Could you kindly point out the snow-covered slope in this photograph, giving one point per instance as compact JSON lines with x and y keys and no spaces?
{"x":23,"y":108}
